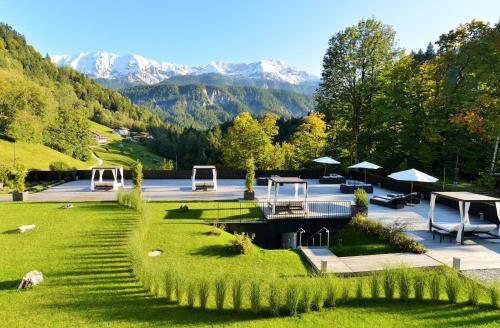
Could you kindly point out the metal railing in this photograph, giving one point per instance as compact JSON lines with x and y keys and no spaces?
{"x":320,"y":238}
{"x":248,"y":211}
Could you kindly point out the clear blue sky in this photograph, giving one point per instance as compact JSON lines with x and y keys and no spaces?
{"x":195,"y":32}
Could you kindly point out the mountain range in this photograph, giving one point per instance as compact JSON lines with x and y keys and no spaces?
{"x":118,"y":71}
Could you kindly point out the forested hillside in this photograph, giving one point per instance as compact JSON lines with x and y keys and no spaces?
{"x":41,"y":103}
{"x":203,"y":106}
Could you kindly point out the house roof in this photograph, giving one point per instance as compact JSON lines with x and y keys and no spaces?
{"x":100,"y":134}
{"x":465,"y":196}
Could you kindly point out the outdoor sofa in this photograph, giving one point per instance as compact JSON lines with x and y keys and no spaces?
{"x":351,"y":185}
{"x":332,"y":178}
{"x":390,"y":202}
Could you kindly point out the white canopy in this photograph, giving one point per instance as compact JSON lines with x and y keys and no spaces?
{"x":326,"y":160}
{"x":413,"y":176}
{"x":365,"y":165}
{"x":118,"y":181}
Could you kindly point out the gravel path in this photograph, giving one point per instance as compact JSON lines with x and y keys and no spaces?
{"x":484,"y":276}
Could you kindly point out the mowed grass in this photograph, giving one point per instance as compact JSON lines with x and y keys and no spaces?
{"x":83,"y":254}
{"x":126,"y":155}
{"x":36,"y":156}
{"x":349,"y":242}
{"x":107,"y":131}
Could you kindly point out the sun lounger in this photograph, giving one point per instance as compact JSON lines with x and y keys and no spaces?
{"x":409,"y":198}
{"x":351,"y":185}
{"x":390,"y":202}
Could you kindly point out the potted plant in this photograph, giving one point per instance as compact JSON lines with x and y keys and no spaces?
{"x":249,"y":180}
{"x":19,"y":193}
{"x":360,"y":202}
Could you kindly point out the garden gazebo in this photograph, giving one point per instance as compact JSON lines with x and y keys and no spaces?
{"x":464,"y":199}
{"x":277,"y":182}
{"x":117,"y":182}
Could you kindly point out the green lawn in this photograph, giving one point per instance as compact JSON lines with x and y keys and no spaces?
{"x":126,"y":153}
{"x":83,"y":254}
{"x":107,"y":131}
{"x":36,"y":156}
{"x":349,"y":242}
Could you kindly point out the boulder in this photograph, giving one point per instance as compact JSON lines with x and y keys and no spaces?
{"x":66,"y":206}
{"x":27,"y":227}
{"x":184,"y":208}
{"x":30,"y":279}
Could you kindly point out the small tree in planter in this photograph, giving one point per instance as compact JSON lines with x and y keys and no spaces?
{"x":19,"y":193}
{"x":360,"y":202}
{"x":249,"y":179}
{"x":137,"y":175}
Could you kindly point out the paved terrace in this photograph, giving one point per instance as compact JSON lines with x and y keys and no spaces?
{"x":481,"y":254}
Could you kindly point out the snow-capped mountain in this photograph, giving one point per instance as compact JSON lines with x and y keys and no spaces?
{"x":135,"y":68}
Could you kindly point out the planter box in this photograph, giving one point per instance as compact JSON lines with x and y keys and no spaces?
{"x":355,"y":209}
{"x":19,"y":196}
{"x":249,"y":195}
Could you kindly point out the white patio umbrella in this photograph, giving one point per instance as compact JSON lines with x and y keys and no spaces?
{"x":366,"y":166}
{"x":412,"y":175}
{"x":326,"y":160}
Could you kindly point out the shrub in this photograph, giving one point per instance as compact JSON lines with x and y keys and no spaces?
{"x":131,"y":199}
{"x":435,"y":287}
{"x":452,"y":286}
{"x":473,"y":292}
{"x":393,"y":234}
{"x":191,"y":294}
{"x":220,"y":292}
{"x":237,"y":294}
{"x":292,"y":298}
{"x":305,"y":300}
{"x":360,"y":197}
{"x":203,"y":293}
{"x":169,"y":284}
{"x":404,"y":284}
{"x":419,"y":286}
{"x":374,"y":286}
{"x":65,"y":171}
{"x":250,"y":174}
{"x":180,"y":286}
{"x":389,"y":283}
{"x":19,"y":178}
{"x":345,"y":294}
{"x":494,"y":291}
{"x":331,"y":294}
{"x":274,"y":299}
{"x":167,"y":165}
{"x":359,"y":290}
{"x":4,"y":174}
{"x":217,"y":229}
{"x":255,"y":296}
{"x":242,"y":243}
{"x":317,"y":299}
{"x":137,"y":175}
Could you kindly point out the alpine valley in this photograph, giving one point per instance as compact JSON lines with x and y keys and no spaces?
{"x":200,"y":96}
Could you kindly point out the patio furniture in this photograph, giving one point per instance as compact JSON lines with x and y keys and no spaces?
{"x":390,"y":202}
{"x":409,"y":198}
{"x":332,"y":178}
{"x":101,"y":184}
{"x":366,"y":166}
{"x":205,"y":185}
{"x":351,"y":185}
{"x":465,"y":228}
{"x":412,"y":175}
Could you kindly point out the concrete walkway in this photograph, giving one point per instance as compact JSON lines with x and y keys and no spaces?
{"x":365,"y":263}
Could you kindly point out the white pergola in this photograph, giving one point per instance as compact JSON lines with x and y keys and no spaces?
{"x":277,"y":181}
{"x":464,"y":201}
{"x":117,"y":182}
{"x":197,"y":184}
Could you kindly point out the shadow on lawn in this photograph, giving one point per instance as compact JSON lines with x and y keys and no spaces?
{"x":10,"y":232}
{"x":9,"y":284}
{"x":214,"y":251}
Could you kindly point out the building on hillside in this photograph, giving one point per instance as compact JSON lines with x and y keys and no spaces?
{"x":123,"y":131}
{"x":140,"y":136}
{"x":99,"y":138}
